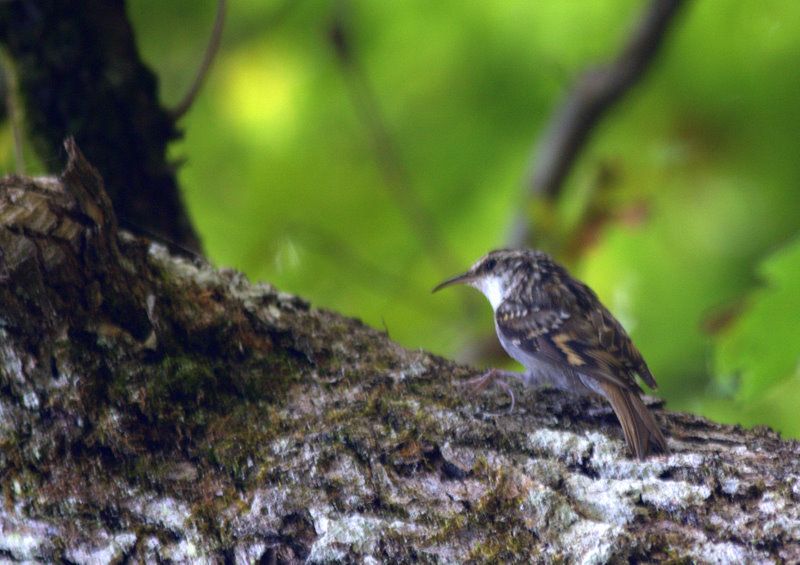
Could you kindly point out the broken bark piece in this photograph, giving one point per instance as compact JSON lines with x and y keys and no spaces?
{"x":60,"y":255}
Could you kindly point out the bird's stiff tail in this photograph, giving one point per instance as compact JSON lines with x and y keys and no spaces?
{"x":638,"y":424}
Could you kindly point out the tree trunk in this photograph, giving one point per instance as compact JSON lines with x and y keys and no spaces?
{"x":156,"y":409}
{"x":80,"y":75}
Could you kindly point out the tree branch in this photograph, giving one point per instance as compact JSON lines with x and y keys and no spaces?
{"x":158,"y":410}
{"x":594,"y":93}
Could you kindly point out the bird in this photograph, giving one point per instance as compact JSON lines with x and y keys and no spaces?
{"x":557,"y":328}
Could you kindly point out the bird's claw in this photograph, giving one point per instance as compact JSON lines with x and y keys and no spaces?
{"x":492,"y":377}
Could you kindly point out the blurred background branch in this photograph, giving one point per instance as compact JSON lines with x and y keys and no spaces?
{"x":595,"y":92}
{"x":205,"y":65}
{"x":387,"y":155}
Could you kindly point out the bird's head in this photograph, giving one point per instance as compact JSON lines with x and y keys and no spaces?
{"x":496,"y":273}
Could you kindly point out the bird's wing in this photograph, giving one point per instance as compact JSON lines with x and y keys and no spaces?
{"x":563,"y":322}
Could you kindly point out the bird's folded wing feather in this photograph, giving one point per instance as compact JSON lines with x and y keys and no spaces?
{"x":564,"y":323}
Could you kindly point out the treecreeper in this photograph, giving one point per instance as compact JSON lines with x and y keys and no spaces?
{"x":556,"y":326}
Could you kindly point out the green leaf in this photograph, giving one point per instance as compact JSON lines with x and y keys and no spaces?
{"x":763,"y":348}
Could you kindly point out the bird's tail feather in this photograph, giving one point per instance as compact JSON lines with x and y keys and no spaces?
{"x":638,"y":424}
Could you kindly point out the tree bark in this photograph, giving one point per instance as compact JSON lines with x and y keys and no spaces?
{"x":157,"y":409}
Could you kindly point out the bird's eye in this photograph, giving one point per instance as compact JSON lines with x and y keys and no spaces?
{"x":490,"y":264}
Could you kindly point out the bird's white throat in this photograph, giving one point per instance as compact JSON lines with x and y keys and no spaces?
{"x":493,"y":288}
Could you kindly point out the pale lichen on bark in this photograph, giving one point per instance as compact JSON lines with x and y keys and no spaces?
{"x":152,"y":408}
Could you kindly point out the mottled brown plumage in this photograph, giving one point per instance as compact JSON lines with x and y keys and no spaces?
{"x":552,"y":323}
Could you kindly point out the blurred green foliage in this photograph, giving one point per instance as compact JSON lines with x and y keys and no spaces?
{"x":756,"y":358}
{"x":695,"y":174}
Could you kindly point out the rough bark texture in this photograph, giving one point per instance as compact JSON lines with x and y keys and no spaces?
{"x":80,"y":75}
{"x":154,"y":409}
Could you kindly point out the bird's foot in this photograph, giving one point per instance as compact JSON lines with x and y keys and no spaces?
{"x":494,"y":377}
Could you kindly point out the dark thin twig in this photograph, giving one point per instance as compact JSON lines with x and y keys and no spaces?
{"x":594,"y":93}
{"x":205,"y":66}
{"x":387,"y":155}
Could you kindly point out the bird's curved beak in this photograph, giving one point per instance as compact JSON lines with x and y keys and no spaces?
{"x":464,"y":278}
